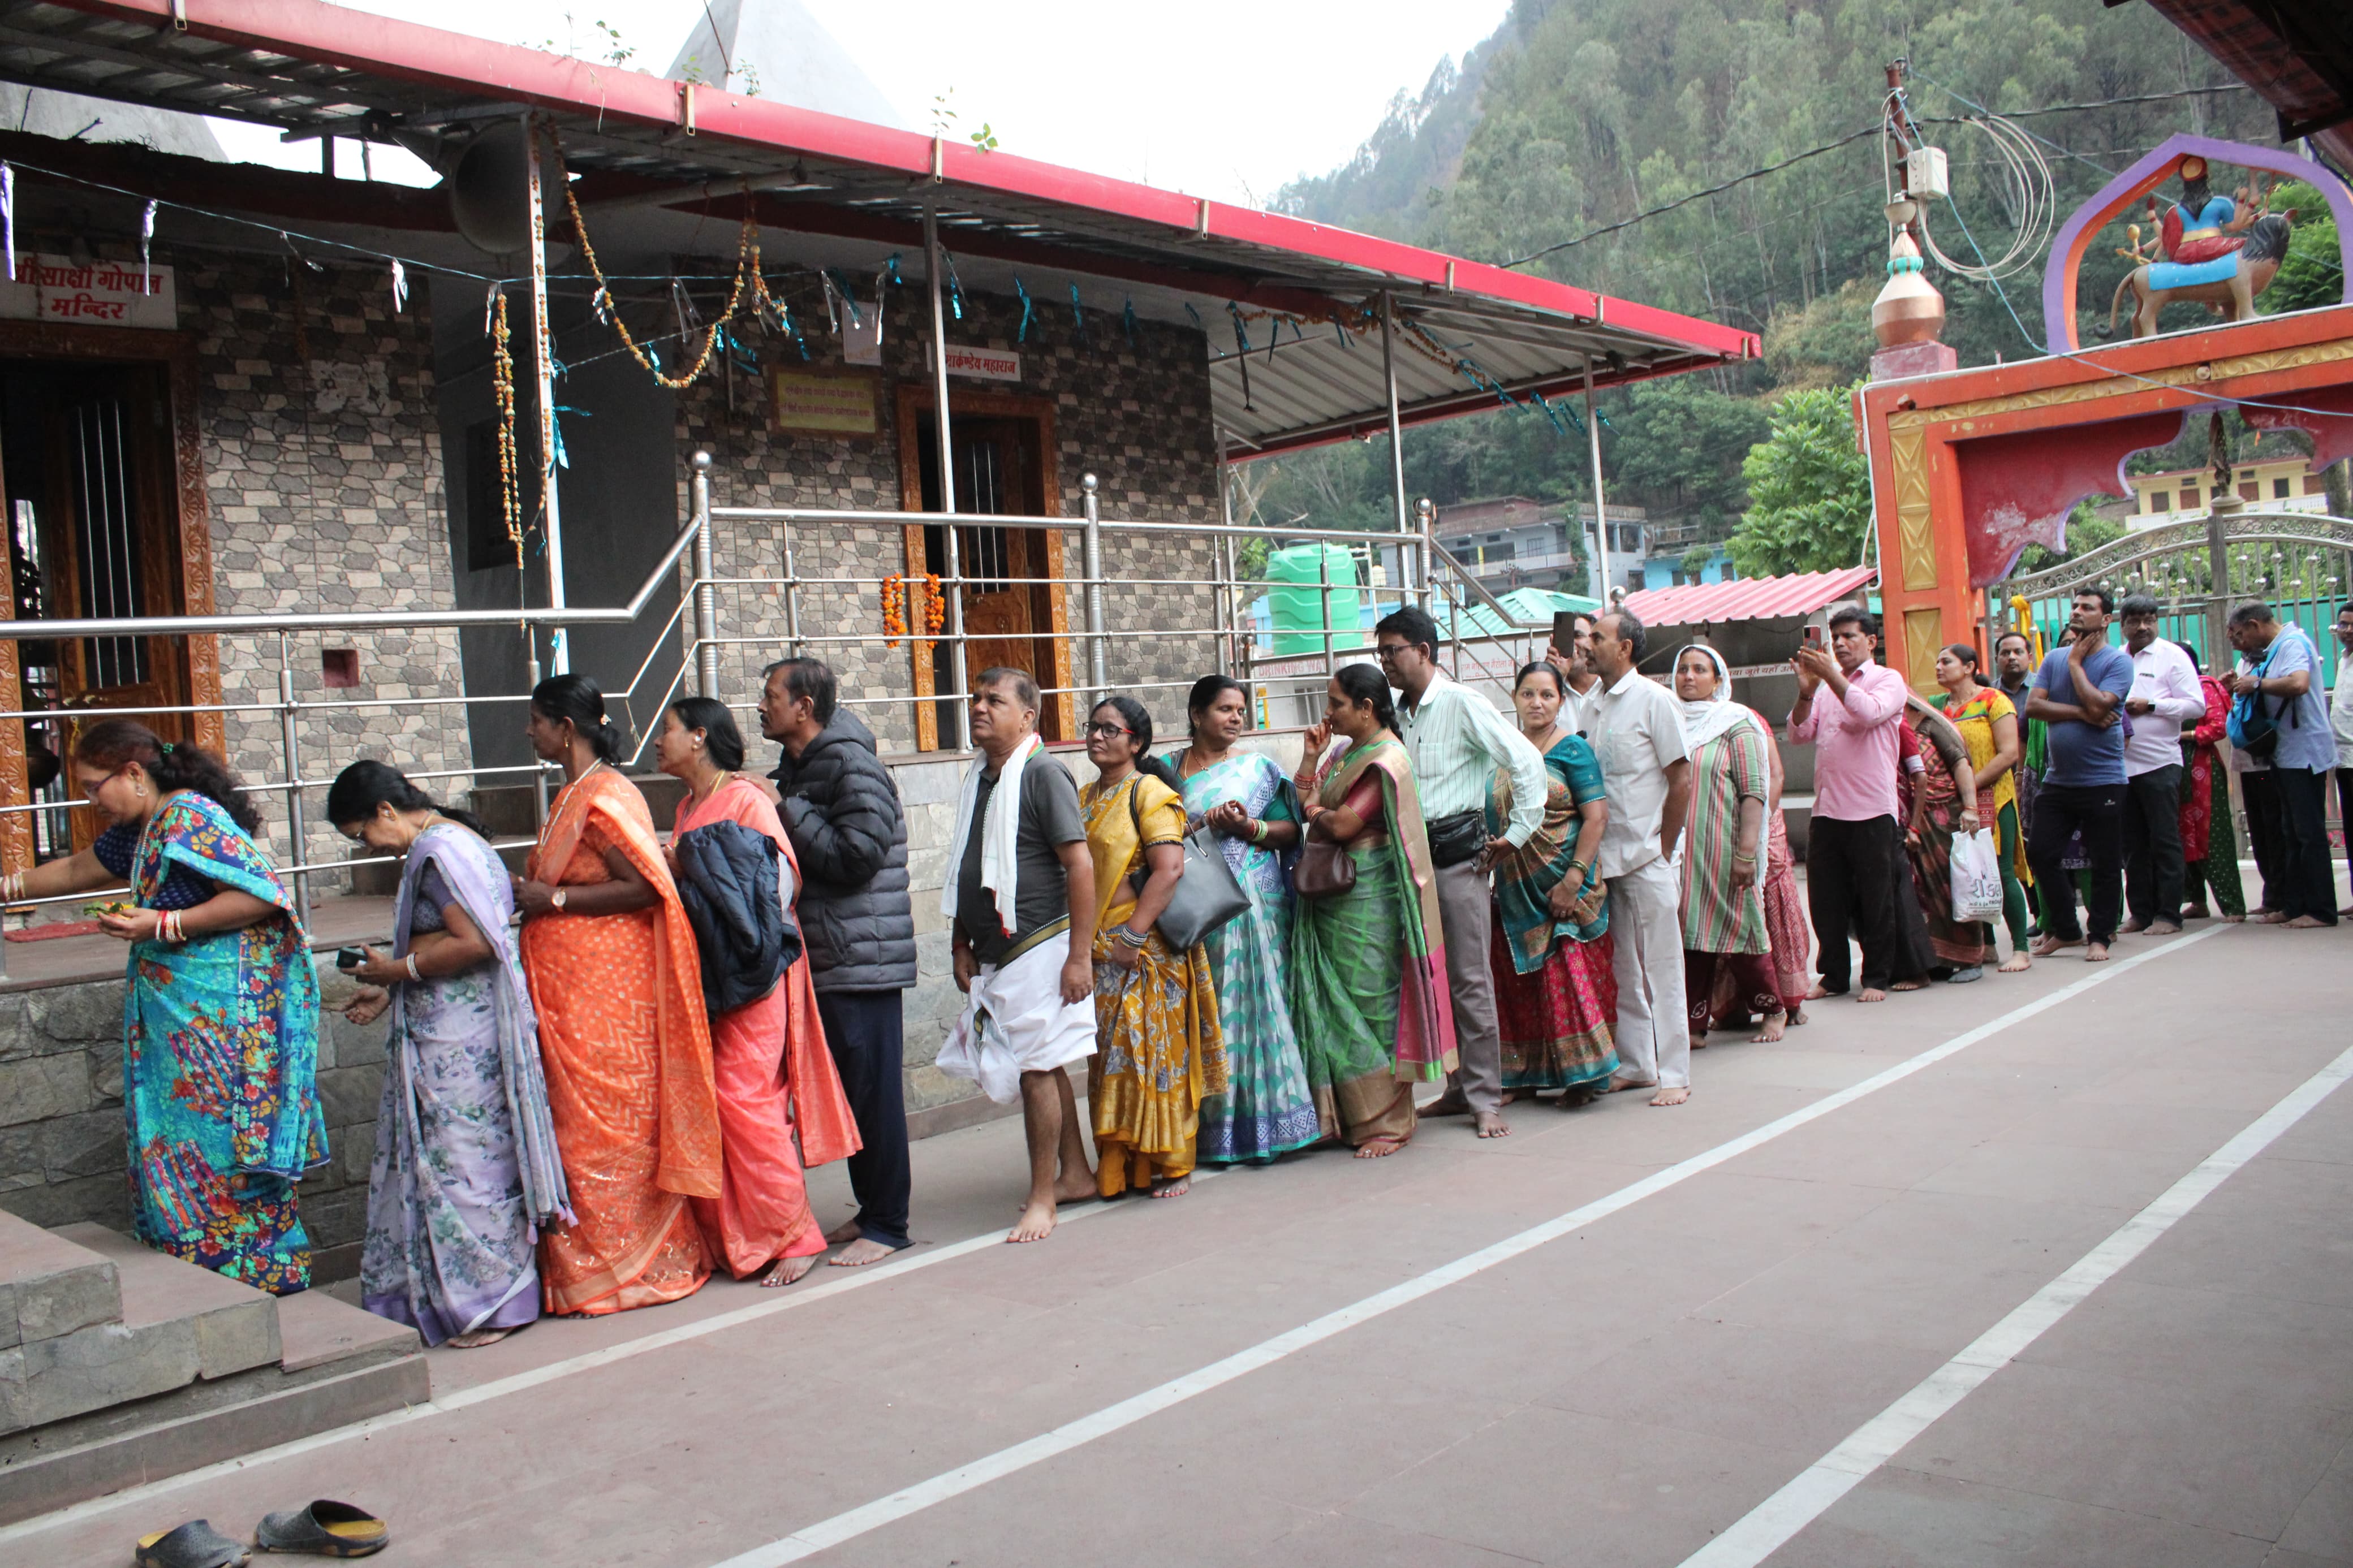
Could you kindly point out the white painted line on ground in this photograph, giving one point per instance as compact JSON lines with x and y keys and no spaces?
{"x":782,"y":1300}
{"x":1768,"y":1526}
{"x":811,"y":1539}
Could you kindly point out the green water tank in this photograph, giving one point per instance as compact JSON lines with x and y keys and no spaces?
{"x":1297,"y":574}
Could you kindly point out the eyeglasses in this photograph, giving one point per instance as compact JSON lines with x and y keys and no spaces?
{"x":1109,"y":730}
{"x":1387,"y":652}
{"x":89,"y":791}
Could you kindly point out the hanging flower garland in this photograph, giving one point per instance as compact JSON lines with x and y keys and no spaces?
{"x":502,"y":381}
{"x":935,"y":612}
{"x":894,"y":610}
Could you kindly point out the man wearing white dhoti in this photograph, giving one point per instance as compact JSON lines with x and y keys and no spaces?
{"x":1020,"y":902}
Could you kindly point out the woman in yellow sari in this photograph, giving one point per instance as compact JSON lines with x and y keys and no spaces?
{"x":1158,"y":1048}
{"x":615,"y":980}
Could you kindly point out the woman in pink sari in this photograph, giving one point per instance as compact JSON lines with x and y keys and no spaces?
{"x":769,"y":1062}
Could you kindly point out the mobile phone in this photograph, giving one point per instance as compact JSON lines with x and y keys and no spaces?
{"x":1813,"y":637}
{"x":350,"y":957}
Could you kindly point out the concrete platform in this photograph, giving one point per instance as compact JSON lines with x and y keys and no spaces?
{"x":1420,"y":1361}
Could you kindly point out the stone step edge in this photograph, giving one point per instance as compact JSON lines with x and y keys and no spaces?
{"x":297,"y":1407}
{"x":236,"y":1325}
{"x":62,"y":1285}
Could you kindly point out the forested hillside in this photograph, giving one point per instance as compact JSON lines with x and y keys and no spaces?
{"x":1551,"y":143}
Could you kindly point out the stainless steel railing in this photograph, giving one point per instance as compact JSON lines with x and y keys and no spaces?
{"x":1431,"y":577}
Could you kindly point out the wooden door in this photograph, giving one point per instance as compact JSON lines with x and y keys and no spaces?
{"x":1012,"y":614}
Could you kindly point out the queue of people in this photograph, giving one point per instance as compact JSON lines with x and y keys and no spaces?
{"x":607,"y":1077}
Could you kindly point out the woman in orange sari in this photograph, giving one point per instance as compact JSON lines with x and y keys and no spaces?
{"x":772,"y":1070}
{"x":615,"y":980}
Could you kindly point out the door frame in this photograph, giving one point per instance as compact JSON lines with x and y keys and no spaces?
{"x":175,"y":351}
{"x":914,"y":399}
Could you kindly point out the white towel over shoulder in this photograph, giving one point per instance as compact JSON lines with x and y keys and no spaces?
{"x":1000,"y":836}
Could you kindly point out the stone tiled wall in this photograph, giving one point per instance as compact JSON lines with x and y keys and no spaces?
{"x":62,"y":1143}
{"x":1135,"y":413}
{"x":322,"y":463}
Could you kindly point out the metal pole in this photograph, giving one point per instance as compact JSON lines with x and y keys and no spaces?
{"x":1222,"y":597}
{"x":1324,"y":570}
{"x":954,"y":584}
{"x":706,"y":597}
{"x":539,"y":773}
{"x":1397,"y":444}
{"x":1098,"y":673}
{"x":1428,"y":516}
{"x":559,"y":639}
{"x":1601,"y":524}
{"x":792,"y":594}
{"x":295,"y":831}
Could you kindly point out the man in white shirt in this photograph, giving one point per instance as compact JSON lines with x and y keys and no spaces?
{"x":1578,"y":683}
{"x":2340,"y":721}
{"x":1638,"y":735}
{"x":1457,"y":741}
{"x":2165,"y":696}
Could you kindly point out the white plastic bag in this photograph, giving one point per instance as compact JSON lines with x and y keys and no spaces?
{"x":1976,"y":875}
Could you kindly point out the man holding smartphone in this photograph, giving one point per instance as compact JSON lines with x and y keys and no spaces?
{"x":1850,"y":707}
{"x":2080,"y":694}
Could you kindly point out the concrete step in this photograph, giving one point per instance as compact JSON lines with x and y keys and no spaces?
{"x":51,"y":1286}
{"x":208,"y":1369}
{"x":235,"y":1326}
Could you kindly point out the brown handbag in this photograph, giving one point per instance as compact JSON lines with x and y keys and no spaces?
{"x":1325,"y":871}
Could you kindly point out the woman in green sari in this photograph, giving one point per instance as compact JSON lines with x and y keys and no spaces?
{"x":1368,"y":991}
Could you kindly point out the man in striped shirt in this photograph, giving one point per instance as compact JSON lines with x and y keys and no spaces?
{"x":1457,"y":741}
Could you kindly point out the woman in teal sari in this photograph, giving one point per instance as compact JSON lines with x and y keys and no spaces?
{"x":1555,"y":980}
{"x":221,"y":1019}
{"x":1368,"y":990}
{"x":1247,"y":800}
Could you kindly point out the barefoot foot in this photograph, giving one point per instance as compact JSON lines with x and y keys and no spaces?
{"x":1818,"y":991}
{"x":2046,"y":945}
{"x":1671,"y":1096}
{"x":2134,"y":925}
{"x":2096,"y":953}
{"x":1774,"y":1026}
{"x":1909,"y":986}
{"x":1378,"y":1148}
{"x":478,"y":1339}
{"x":1618,"y":1084}
{"x":2306,"y":922}
{"x":1036,"y":1224}
{"x":1176,"y":1189}
{"x":2017,"y":961}
{"x":2164,"y":928}
{"x":1451,"y":1103}
{"x":861,"y":1252}
{"x":846,"y":1231}
{"x":1871,"y":993}
{"x":788,"y":1272}
{"x":1699,"y":1042}
{"x":1492,"y":1125}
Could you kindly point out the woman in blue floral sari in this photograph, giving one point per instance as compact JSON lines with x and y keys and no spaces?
{"x":221,"y":1020}
{"x":1248,"y":801}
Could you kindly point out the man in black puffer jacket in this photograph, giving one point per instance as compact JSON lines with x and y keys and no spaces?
{"x":841,"y":811}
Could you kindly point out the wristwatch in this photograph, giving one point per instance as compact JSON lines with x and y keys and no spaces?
{"x":556,"y":900}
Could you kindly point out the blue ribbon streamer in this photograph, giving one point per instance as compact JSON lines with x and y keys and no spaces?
{"x":849,"y":295}
{"x":1078,"y":317}
{"x":1242,"y":331}
{"x":1023,"y":335}
{"x":1195,"y":317}
{"x":956,"y":286}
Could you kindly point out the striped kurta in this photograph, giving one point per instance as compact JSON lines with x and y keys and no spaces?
{"x":1725,"y":771}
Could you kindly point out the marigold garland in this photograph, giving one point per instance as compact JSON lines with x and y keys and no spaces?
{"x":502,"y":382}
{"x":894,"y":610}
{"x":935,"y":610}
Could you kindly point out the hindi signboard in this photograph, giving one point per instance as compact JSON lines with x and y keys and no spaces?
{"x":822,"y":402}
{"x":979,"y":364}
{"x":57,"y":288}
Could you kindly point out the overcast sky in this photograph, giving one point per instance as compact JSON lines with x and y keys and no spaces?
{"x":1226,"y":99}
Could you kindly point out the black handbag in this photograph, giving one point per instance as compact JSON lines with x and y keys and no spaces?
{"x":1457,"y":839}
{"x":1207,"y":894}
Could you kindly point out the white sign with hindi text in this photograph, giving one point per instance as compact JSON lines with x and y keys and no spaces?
{"x":57,"y":288}
{"x":979,"y":364}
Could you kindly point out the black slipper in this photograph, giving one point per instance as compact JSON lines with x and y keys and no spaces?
{"x":323,"y":1529}
{"x":195,"y":1544}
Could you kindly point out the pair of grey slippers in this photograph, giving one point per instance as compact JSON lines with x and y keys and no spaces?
{"x":324,"y":1528}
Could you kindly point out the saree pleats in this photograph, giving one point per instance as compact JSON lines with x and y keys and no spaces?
{"x":1555,"y":986}
{"x":629,"y":1058}
{"x":220,"y":1063}
{"x":1159,"y":1049}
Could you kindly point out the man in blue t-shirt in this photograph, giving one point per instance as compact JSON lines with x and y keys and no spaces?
{"x":2278,"y":680}
{"x":2079,"y":694}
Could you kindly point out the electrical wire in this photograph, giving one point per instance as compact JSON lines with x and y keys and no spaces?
{"x":2026,"y":176}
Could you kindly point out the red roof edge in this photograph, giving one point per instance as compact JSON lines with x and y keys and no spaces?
{"x":309,"y":29}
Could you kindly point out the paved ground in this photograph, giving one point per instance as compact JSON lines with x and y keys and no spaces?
{"x":1317,"y":1364}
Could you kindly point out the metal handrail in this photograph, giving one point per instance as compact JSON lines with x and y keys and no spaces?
{"x":363,"y":621}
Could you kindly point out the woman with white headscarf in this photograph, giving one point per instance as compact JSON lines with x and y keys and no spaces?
{"x":1723,"y":850}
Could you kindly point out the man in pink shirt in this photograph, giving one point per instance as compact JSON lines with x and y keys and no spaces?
{"x":1849,"y":708}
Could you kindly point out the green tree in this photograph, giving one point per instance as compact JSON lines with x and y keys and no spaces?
{"x":2313,"y":271}
{"x":1809,"y":492}
{"x":2086,"y":531}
